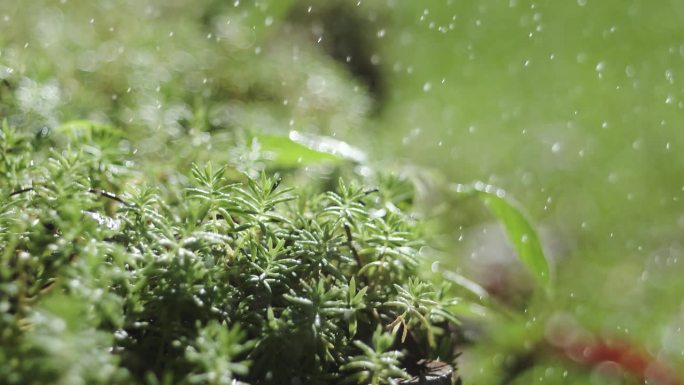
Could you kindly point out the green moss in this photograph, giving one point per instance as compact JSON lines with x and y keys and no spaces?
{"x":220,"y":277}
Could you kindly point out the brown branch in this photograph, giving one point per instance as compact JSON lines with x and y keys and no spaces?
{"x":27,"y":189}
{"x":102,"y":193}
{"x":350,"y":243}
{"x":109,"y":195}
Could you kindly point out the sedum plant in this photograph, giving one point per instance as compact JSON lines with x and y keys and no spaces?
{"x":210,"y":276}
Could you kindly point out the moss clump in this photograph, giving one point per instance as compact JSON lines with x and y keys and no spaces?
{"x":211,"y":278}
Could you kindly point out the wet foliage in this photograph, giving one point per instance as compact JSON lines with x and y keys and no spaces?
{"x":111,"y":279}
{"x":190,"y":191}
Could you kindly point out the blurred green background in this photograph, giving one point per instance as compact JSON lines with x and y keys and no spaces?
{"x":574,"y":107}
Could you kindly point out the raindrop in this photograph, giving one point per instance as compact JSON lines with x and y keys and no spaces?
{"x":581,"y":3}
{"x":630,"y":71}
{"x":427,"y":86}
{"x":268,"y":21}
{"x":381,"y":33}
{"x":556,"y":147}
{"x":581,"y":57}
{"x":669,"y":76}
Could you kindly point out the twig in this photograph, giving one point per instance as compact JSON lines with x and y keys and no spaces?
{"x":102,"y":193}
{"x":109,"y":195}
{"x":350,"y":243}
{"x":27,"y":189}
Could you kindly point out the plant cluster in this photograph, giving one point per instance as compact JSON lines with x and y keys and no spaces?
{"x":216,"y":278}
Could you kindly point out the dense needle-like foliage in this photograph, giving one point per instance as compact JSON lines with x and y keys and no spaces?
{"x":211,"y":278}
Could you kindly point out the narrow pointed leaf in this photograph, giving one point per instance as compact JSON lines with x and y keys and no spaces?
{"x":519,"y":231}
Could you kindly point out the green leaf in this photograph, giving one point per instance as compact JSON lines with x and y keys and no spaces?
{"x":88,"y":129}
{"x":299,"y":149}
{"x":518,"y":229}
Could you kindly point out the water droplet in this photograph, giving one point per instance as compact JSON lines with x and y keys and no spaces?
{"x":630,"y":71}
{"x":581,"y":3}
{"x":268,"y":21}
{"x":427,"y":86}
{"x":381,"y":33}
{"x":600,"y":66}
{"x":556,"y":147}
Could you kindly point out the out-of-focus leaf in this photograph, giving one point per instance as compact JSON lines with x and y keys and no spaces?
{"x":518,"y":229}
{"x":328,"y":145}
{"x":88,"y":129}
{"x":301,"y":149}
